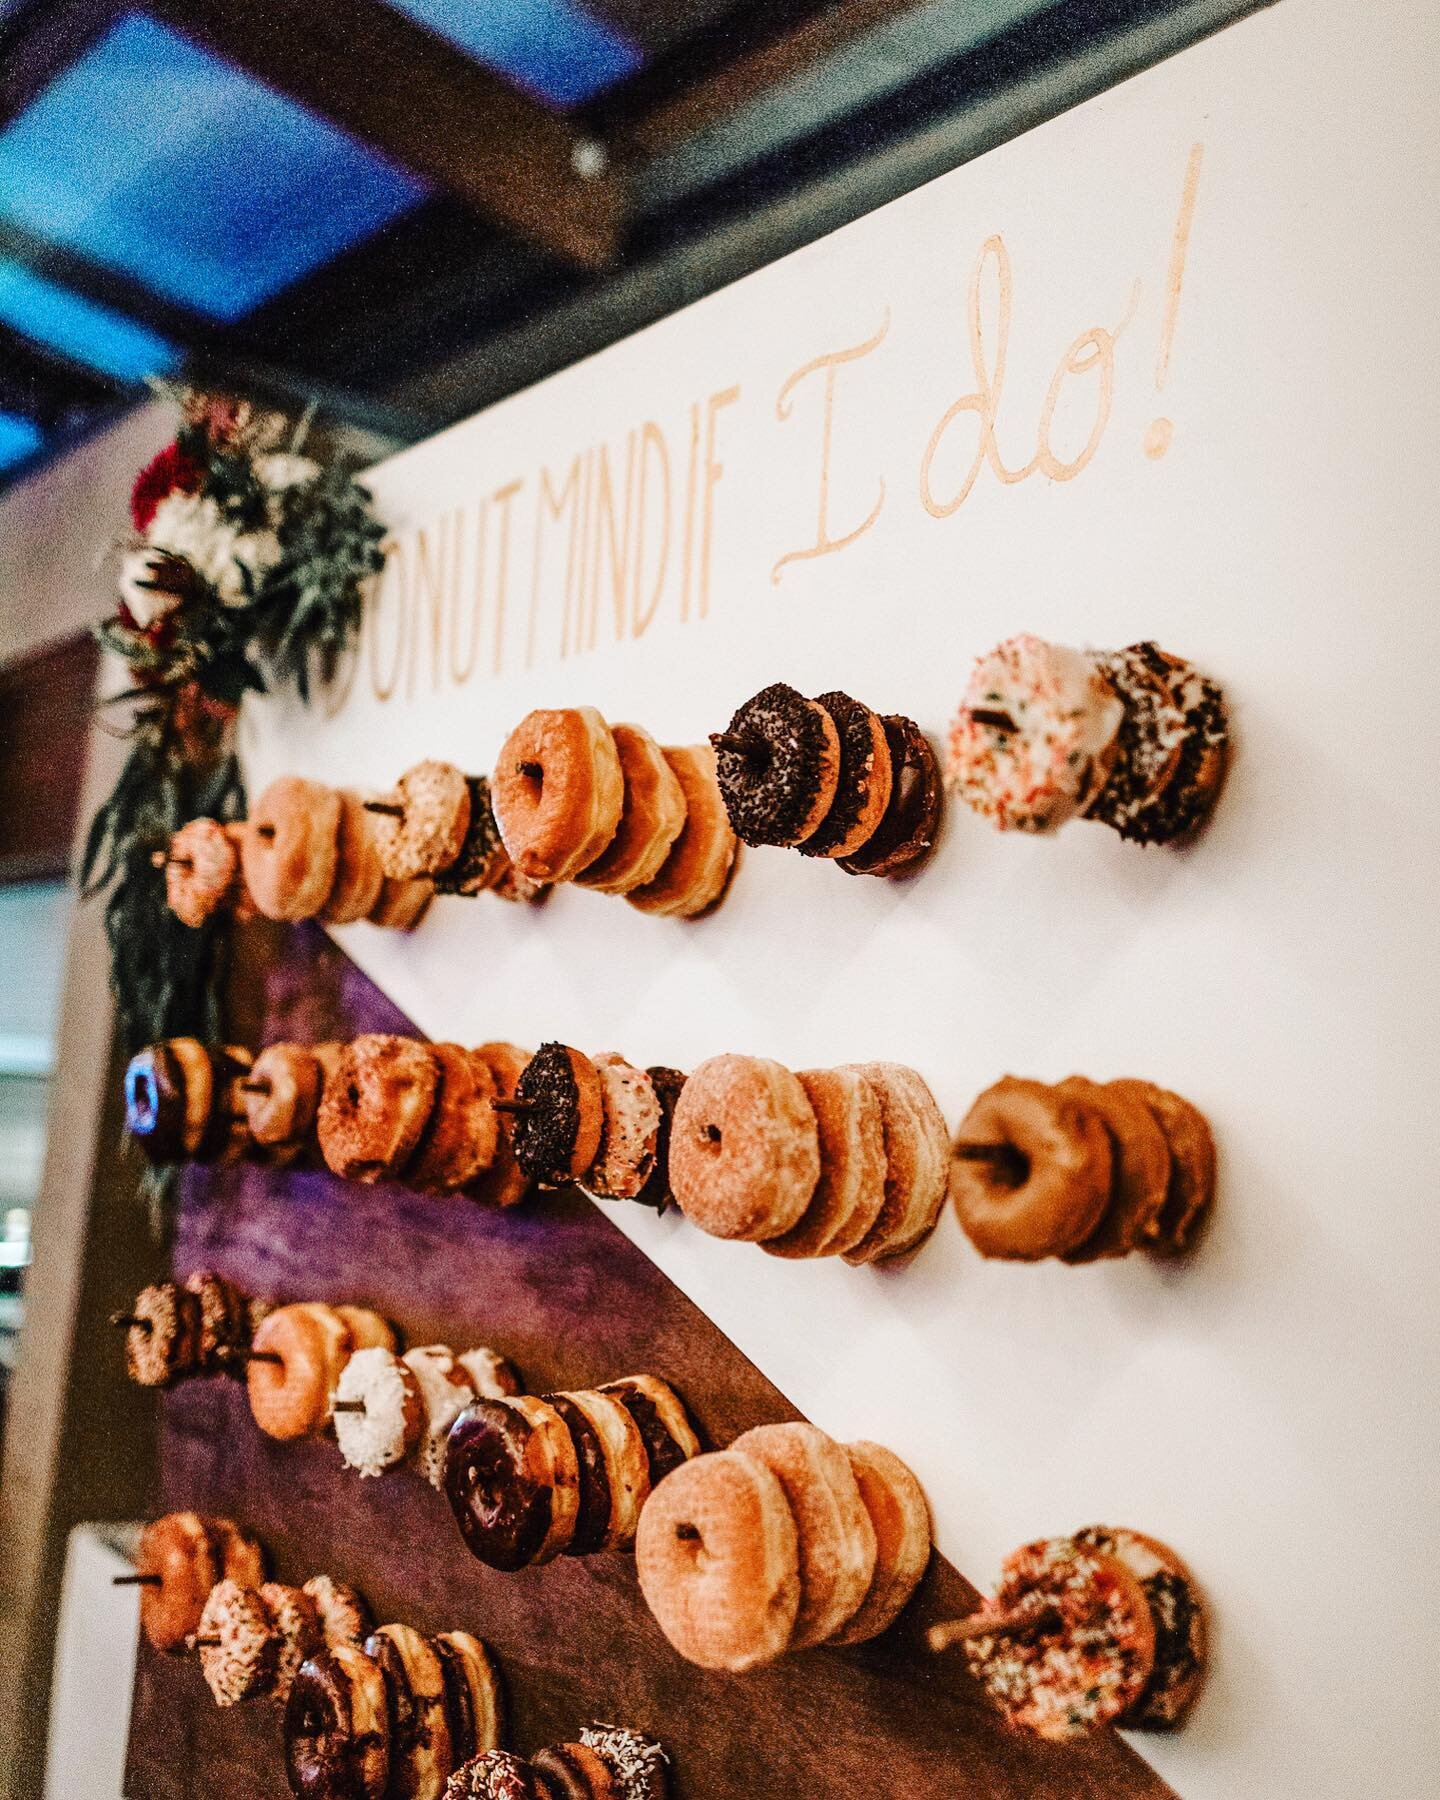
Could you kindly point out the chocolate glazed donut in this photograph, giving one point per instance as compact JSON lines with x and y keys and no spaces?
{"x":336,"y":1728}
{"x":777,"y":764}
{"x":502,"y":1510}
{"x":547,"y":1137}
{"x":593,"y":1525}
{"x":905,"y":838}
{"x":155,"y":1103}
{"x":862,"y":792}
{"x":667,"y":1084}
{"x":663,"y":1450}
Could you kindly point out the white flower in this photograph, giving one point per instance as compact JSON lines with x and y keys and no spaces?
{"x":144,"y":604}
{"x":185,"y":525}
{"x":281,"y":470}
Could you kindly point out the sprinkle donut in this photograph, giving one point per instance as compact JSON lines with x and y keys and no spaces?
{"x":241,"y":1661}
{"x":224,"y":1319}
{"x":291,"y":1398}
{"x":297,"y":1623}
{"x":1148,"y":746}
{"x":558,"y":1137}
{"x":200,"y":870}
{"x":778,"y":766}
{"x":558,"y":792}
{"x":639,"y":1765}
{"x":373,"y":1112}
{"x":653,"y":816}
{"x":359,"y":874}
{"x":744,"y":1148}
{"x":668,"y":1085}
{"x":850,"y":1193}
{"x":862,"y":790}
{"x":495,"y":1775}
{"x":630,"y":1132}
{"x":344,"y":1616}
{"x":1178,"y":1609}
{"x":290,"y":849}
{"x":427,"y":833}
{"x":696,"y":875}
{"x":1187,"y":798}
{"x":573,"y":1772}
{"x":337,"y":1728}
{"x":906,"y":836}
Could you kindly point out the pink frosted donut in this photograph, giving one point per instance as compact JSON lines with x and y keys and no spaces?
{"x":629,"y":1134}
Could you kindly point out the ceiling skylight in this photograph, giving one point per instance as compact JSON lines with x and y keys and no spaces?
{"x":51,"y":315}
{"x":557,"y":49}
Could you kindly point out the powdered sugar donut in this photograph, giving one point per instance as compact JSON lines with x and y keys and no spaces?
{"x":290,"y":848}
{"x":391,"y":1416}
{"x":201,"y":866}
{"x":445,"y":1391}
{"x":631,"y":1127}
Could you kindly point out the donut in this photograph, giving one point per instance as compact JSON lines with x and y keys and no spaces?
{"x":445,"y":1391}
{"x":557,"y":1137}
{"x":182,"y":1550}
{"x":630,"y":1131}
{"x":1152,"y":731}
{"x":558,"y":792}
{"x":1140,"y":1171}
{"x":744,"y":1148}
{"x":460,"y":1137}
{"x":574,"y":1772}
{"x":1088,"y":1649}
{"x":241,"y":1558}
{"x":239,"y":1644}
{"x":906,"y":836}
{"x":836,"y":1539}
{"x":718,"y":1558}
{"x":200,"y":869}
{"x":491,"y":1375}
{"x":297,"y":1622}
{"x":614,"y":1470}
{"x":652,"y":817}
{"x":337,"y":1728}
{"x":373,"y":1111}
{"x":862,"y":791}
{"x":224,"y":1320}
{"x":483,"y":860}
{"x":778,"y":766}
{"x":512,"y":1478}
{"x":639,"y":1765}
{"x":495,"y":1775}
{"x":667,"y":1084}
{"x":694,"y":877}
{"x":402,"y":904}
{"x":359,"y":873}
{"x":155,"y":1103}
{"x":518,"y":889}
{"x":227,"y":1135}
{"x":1046,"y":1187}
{"x":369,"y":1330}
{"x":391,"y":1416}
{"x":421,"y":1754}
{"x":291,"y":1398}
{"x":660,"y":1418}
{"x":282,"y":1094}
{"x":474,"y":1703}
{"x":420,"y":825}
{"x":1184,"y":802}
{"x":1178,"y":1610}
{"x":917,"y":1162}
{"x":344,"y":1617}
{"x":1192,"y":1165}
{"x":504,"y":1183}
{"x":1035,"y":735}
{"x":850,"y":1193}
{"x":240,"y":900}
{"x":290,"y":848}
{"x":900,"y":1515}
{"x":593,"y":1505}
{"x":162,"y":1336}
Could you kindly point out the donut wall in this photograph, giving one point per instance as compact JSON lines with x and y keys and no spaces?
{"x":1156,"y":370}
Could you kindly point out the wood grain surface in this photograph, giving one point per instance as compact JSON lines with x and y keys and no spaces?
{"x":561,"y":1291}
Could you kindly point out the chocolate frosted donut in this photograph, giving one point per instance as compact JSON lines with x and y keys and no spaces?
{"x":667,"y":1084}
{"x":778,"y":764}
{"x":483,"y":859}
{"x":593,"y":1524}
{"x":1148,"y":745}
{"x":499,"y":1480}
{"x":558,"y":1137}
{"x":1192,"y":790}
{"x":337,"y":1730}
{"x":862,"y":791}
{"x":638,"y":1764}
{"x":155,"y":1103}
{"x":421,"y":1754}
{"x":474,"y":1704}
{"x":661,"y":1419}
{"x":905,"y":838}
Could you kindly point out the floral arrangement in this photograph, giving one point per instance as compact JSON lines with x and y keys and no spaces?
{"x":243,"y":573}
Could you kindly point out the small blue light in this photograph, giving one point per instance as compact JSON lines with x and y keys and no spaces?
{"x":556,"y":48}
{"x":150,"y":156}
{"x":80,"y":329}
{"x":19,"y":438}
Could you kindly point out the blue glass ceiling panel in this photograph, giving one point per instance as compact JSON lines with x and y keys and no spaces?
{"x":557,"y":49}
{"x":152,"y":157}
{"x":18,"y":439}
{"x":80,"y":329}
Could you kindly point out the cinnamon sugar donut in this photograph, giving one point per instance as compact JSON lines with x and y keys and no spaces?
{"x":512,"y":1478}
{"x":428,"y":833}
{"x":558,"y":792}
{"x":290,"y":848}
{"x":1140,"y":1171}
{"x":200,"y":870}
{"x":630,"y":1132}
{"x":504,"y":1183}
{"x":694,"y":877}
{"x":359,"y":875}
{"x":906,"y":836}
{"x":718,"y":1558}
{"x":1178,"y":1610}
{"x":337,"y":1728}
{"x":445,"y":1391}
{"x":242,"y":1658}
{"x":778,"y":766}
{"x":900,"y":1516}
{"x":1049,"y":1185}
{"x":850,"y":1193}
{"x":182,"y":1550}
{"x":744,"y":1148}
{"x":652,"y":818}
{"x":282,"y":1095}
{"x":862,"y":791}
{"x":459,"y":1140}
{"x":241,"y":1558}
{"x":1192,"y":1165}
{"x":558,"y":1138}
{"x":373,"y":1112}
{"x":917,"y":1162}
{"x":836,"y":1539}
{"x":392,"y":1419}
{"x":291,"y":1398}
{"x":402,"y":904}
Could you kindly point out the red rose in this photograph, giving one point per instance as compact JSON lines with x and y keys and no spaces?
{"x":170,"y":472}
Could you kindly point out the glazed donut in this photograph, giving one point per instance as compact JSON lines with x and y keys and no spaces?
{"x":402,"y":904}
{"x":421,"y":1754}
{"x":461,"y":1135}
{"x":558,"y":1137}
{"x":297,"y":1622}
{"x":696,"y":875}
{"x":369,"y":1330}
{"x":778,"y":766}
{"x":495,"y":1775}
{"x":1192,"y":1164}
{"x":239,"y":1644}
{"x":1048,"y":1188}
{"x":1178,"y":1610}
{"x":836,"y":1540}
{"x":574,"y":1772}
{"x":1035,"y":736}
{"x":512,"y":1477}
{"x":359,"y":875}
{"x":200,"y":869}
{"x":491,"y":1375}
{"x":652,"y":818}
{"x":660,"y":1418}
{"x":344,"y":1617}
{"x":630,"y":1131}
{"x":900,"y":1515}
{"x":224,"y":1320}
{"x":718,"y":1558}
{"x":906,"y":836}
{"x":744,"y":1148}
{"x":667,"y":1084}
{"x":474,"y":1704}
{"x":862,"y":791}
{"x":603,"y":1420}
{"x":483,"y":859}
{"x":290,"y":848}
{"x":337,"y":1728}
{"x":1181,"y":806}
{"x":558,"y":792}
{"x":162,"y":1336}
{"x":1140,"y":1171}
{"x":504,"y":1183}
{"x":428,"y":832}
{"x":445,"y":1391}
{"x":917,"y":1163}
{"x":850,"y":1193}
{"x":282,"y":1095}
{"x":241,"y":1558}
{"x":389,"y":1427}
{"x":180,"y":1548}
{"x":291,"y":1398}
{"x":639,"y":1765}
{"x":375,"y":1108}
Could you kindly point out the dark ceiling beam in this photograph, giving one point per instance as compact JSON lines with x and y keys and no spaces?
{"x":429,"y":107}
{"x":48,"y":389}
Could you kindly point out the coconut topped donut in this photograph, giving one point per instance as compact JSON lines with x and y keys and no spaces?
{"x":420,"y":825}
{"x":495,"y":1775}
{"x":778,"y":765}
{"x":379,"y":1411}
{"x":638,"y":1765}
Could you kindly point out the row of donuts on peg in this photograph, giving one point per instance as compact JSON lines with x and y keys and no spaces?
{"x":605,"y":1762}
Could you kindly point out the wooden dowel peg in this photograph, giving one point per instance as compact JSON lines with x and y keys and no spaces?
{"x":136,"y":1580}
{"x":255,"y":1087}
{"x":265,"y":1356}
{"x":515,"y":1106}
{"x":989,"y":715}
{"x":206,"y":1643}
{"x":390,"y":808}
{"x":348,"y":1406}
{"x":743,"y":743}
{"x":1019,"y":1623}
{"x":131,"y":1322}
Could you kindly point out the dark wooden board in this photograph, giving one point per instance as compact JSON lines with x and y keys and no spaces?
{"x":562,"y":1291}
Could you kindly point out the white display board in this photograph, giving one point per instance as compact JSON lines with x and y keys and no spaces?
{"x":1163,"y":367}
